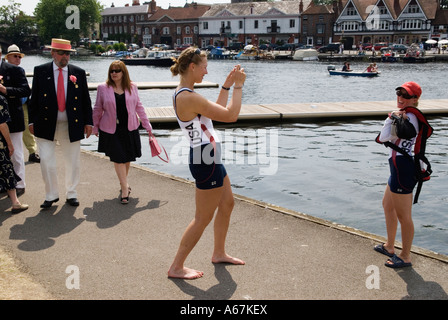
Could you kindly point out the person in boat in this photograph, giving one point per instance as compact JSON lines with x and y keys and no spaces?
{"x":397,"y":200}
{"x":370,"y":68}
{"x":346,"y":66}
{"x":213,"y":190}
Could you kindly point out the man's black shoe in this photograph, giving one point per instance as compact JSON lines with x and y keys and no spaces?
{"x":34,"y":158}
{"x":73,"y":202}
{"x":47,"y":204}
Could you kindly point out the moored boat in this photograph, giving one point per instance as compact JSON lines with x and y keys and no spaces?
{"x":153,"y":58}
{"x":305,"y":55}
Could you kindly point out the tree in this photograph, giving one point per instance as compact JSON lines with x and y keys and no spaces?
{"x":68,"y":19}
{"x":15,"y":25}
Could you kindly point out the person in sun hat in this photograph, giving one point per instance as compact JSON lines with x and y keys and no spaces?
{"x":60,"y":110}
{"x":14,"y":86}
{"x":14,"y":56}
{"x":400,"y":129}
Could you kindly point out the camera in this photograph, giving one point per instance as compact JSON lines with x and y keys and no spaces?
{"x":395,"y":117}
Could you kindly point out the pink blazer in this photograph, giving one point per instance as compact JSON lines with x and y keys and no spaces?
{"x":105,"y":110}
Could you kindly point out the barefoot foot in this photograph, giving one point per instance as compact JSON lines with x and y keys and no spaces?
{"x":227,"y":259}
{"x":185,"y":273}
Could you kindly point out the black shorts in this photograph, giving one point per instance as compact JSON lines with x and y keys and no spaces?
{"x":208,"y":171}
{"x":402,"y":175}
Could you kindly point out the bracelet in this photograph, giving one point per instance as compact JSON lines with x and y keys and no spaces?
{"x":238,"y":87}
{"x":225,"y":88}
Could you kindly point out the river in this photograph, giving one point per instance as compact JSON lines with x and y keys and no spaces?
{"x":329,"y":169}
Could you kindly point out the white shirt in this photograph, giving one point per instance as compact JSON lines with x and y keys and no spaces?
{"x":386,"y":135}
{"x":62,"y":116}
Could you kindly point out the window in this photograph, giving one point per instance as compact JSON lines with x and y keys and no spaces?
{"x":240,"y":23}
{"x":351,"y":11}
{"x":255,"y":24}
{"x":413,"y":9}
{"x":187,"y":30}
{"x":320,"y":28}
{"x":179,"y":30}
{"x":350,"y":26}
{"x":292,"y":23}
{"x":205,"y":25}
{"x":412,"y":24}
{"x":188,"y":40}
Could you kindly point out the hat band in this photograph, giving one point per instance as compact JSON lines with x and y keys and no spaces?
{"x":61,"y":46}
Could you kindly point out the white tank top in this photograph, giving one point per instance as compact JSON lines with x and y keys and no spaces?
{"x":199,"y":130}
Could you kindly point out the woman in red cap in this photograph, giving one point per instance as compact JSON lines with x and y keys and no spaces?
{"x":400,"y":128}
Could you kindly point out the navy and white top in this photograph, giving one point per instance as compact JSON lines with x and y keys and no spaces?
{"x":199,"y":131}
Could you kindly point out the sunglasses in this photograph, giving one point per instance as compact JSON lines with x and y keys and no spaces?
{"x":197,"y":51}
{"x":115,"y":71}
{"x":405,"y":95}
{"x":18,"y":56}
{"x":62,"y":52}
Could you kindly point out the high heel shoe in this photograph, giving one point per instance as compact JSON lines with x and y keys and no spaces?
{"x":125,"y":200}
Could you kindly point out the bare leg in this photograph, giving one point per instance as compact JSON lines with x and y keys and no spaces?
{"x":391,"y":220}
{"x":403,"y":208}
{"x":206,"y":203}
{"x":122,"y":170}
{"x":221,"y":226}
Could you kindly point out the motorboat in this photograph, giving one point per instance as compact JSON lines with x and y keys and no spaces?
{"x":353,"y":73}
{"x":305,"y":55}
{"x":152,"y":58}
{"x":250,"y":52}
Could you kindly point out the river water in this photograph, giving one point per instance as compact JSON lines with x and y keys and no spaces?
{"x":329,"y":169}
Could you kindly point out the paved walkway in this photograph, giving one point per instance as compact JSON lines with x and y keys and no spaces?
{"x":124,"y":251}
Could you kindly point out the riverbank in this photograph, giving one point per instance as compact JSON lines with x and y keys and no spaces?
{"x":123,"y":252}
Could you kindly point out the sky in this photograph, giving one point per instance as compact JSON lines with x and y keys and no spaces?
{"x":29,"y":5}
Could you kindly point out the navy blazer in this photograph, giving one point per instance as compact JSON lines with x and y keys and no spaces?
{"x":14,"y":79}
{"x":43,"y":105}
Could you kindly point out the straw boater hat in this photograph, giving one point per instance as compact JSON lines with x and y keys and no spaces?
{"x":61,"y":44}
{"x":13,"y":49}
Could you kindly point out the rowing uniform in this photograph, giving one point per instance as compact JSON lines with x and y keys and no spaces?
{"x":204,"y":159}
{"x":402,"y":169}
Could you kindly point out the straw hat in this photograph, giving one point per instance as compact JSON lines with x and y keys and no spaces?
{"x":13,"y":49}
{"x":61,"y":44}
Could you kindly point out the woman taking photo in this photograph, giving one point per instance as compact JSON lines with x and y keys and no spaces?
{"x":213,"y":191}
{"x":400,"y":128}
{"x":115,"y":120}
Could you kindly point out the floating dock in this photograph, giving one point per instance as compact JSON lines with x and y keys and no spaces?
{"x":298,"y":111}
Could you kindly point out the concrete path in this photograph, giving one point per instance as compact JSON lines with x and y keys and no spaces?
{"x":115,"y":251}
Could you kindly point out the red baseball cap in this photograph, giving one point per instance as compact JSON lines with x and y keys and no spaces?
{"x":412,"y":88}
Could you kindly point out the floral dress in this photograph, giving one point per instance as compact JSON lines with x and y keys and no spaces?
{"x":8,"y":177}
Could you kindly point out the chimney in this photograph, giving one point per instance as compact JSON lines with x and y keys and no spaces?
{"x":301,"y":6}
{"x":135,"y":2}
{"x":153,"y":6}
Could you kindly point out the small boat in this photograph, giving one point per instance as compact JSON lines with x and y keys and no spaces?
{"x":333,"y":72}
{"x":153,"y":58}
{"x":305,"y":55}
{"x":249,"y":52}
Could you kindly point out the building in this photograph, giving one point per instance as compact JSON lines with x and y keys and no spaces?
{"x":175,"y":26}
{"x":397,"y":21}
{"x":318,"y":21}
{"x":252,"y":23}
{"x":122,"y":23}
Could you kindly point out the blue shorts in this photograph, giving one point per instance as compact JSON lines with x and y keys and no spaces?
{"x":207,"y":172}
{"x":402,"y":176}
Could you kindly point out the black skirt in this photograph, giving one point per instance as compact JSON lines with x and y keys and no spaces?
{"x":122,"y":146}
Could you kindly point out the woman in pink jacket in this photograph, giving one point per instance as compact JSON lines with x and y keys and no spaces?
{"x":115,"y":120}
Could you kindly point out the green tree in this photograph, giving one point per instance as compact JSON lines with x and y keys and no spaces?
{"x":59,"y":19}
{"x":15,"y":25}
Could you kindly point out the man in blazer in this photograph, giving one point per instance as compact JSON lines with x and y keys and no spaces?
{"x":14,"y":86}
{"x":49,"y":121}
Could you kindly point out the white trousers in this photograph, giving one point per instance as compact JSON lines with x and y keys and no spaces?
{"x":17,"y":158}
{"x":71,"y":154}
